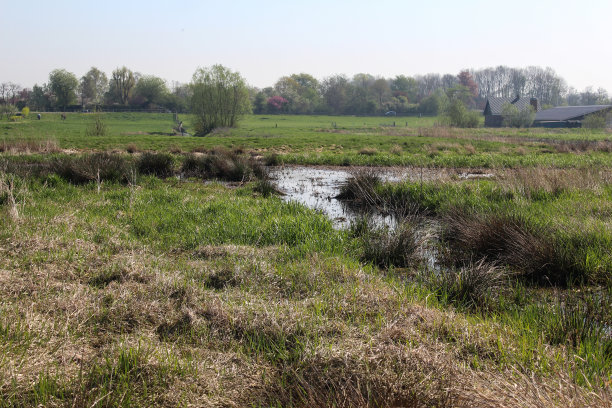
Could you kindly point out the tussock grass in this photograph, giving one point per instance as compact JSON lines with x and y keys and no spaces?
{"x":157,"y":164}
{"x":474,"y":285}
{"x":387,"y":247}
{"x":93,"y":167}
{"x":509,"y":240}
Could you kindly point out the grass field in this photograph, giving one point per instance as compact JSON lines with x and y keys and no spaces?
{"x":122,"y":285}
{"x":330,"y":140}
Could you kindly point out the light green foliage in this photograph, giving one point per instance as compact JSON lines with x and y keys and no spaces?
{"x":513,"y":117}
{"x":459,"y":116}
{"x":220,"y":98}
{"x":97,"y":127}
{"x":597,"y":120}
{"x":7,"y":110}
{"x":63,"y":85}
{"x":93,"y":86}
{"x":25,"y":112}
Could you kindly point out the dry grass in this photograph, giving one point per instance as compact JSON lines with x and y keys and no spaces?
{"x":509,"y":240}
{"x":531,"y":182}
{"x":368,"y":151}
{"x":583,"y":146}
{"x":30,"y":146}
{"x":396,"y":149}
{"x":109,"y":322}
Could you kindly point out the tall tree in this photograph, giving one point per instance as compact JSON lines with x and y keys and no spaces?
{"x":123,"y":83}
{"x":220,"y":97}
{"x":63,"y":86}
{"x":335,"y":90}
{"x":93,"y":86}
{"x":151,"y":88}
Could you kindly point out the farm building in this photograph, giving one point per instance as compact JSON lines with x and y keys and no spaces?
{"x":495,"y":106}
{"x":568,"y":116}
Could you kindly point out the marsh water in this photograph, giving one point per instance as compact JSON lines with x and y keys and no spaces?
{"x":316,"y":188}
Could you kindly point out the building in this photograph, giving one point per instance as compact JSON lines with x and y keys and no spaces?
{"x":568,"y":116}
{"x":495,"y":106}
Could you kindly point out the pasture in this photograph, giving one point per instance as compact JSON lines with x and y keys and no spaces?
{"x":145,"y":268}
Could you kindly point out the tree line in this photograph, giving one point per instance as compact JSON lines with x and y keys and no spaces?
{"x":302,"y":93}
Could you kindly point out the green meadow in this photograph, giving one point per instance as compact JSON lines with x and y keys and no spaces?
{"x":329,"y":140}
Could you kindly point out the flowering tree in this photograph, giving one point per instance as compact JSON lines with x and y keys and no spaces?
{"x":276,"y":103}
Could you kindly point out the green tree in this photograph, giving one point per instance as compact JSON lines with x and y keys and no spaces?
{"x":402,"y":85}
{"x":380,"y":88}
{"x":152,"y":89}
{"x":8,"y":110}
{"x":93,"y":86}
{"x":63,"y":85}
{"x":39,"y":98}
{"x":220,"y":97}
{"x":123,"y":82}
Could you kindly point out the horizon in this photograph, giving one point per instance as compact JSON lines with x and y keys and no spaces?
{"x":267,"y":41}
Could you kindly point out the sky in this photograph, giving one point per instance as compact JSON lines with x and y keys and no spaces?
{"x":265,"y":40}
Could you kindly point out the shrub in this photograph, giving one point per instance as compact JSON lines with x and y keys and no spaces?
{"x":222,"y":165}
{"x":513,"y":117}
{"x":93,"y":167}
{"x":272,"y":159}
{"x":158,"y":164}
{"x":25,"y":112}
{"x":132,"y":148}
{"x":597,"y":120}
{"x":96,"y":128}
{"x":459,"y":116}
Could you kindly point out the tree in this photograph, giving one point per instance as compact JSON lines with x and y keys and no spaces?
{"x":63,"y":85}
{"x":8,"y":110}
{"x":93,"y":86}
{"x":404,"y":86}
{"x":123,"y":82}
{"x":151,"y":88}
{"x":220,"y":98}
{"x":39,"y":98}
{"x":276,"y":103}
{"x":335,"y":90}
{"x":380,"y":88}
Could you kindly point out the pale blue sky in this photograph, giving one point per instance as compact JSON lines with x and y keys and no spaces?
{"x":265,"y":40}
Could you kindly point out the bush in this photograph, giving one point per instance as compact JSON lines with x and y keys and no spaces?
{"x":96,"y":128}
{"x":25,"y":112}
{"x":459,"y":116}
{"x":93,"y":167}
{"x":597,"y":120}
{"x":222,"y":165}
{"x":513,"y":117}
{"x":158,"y":164}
